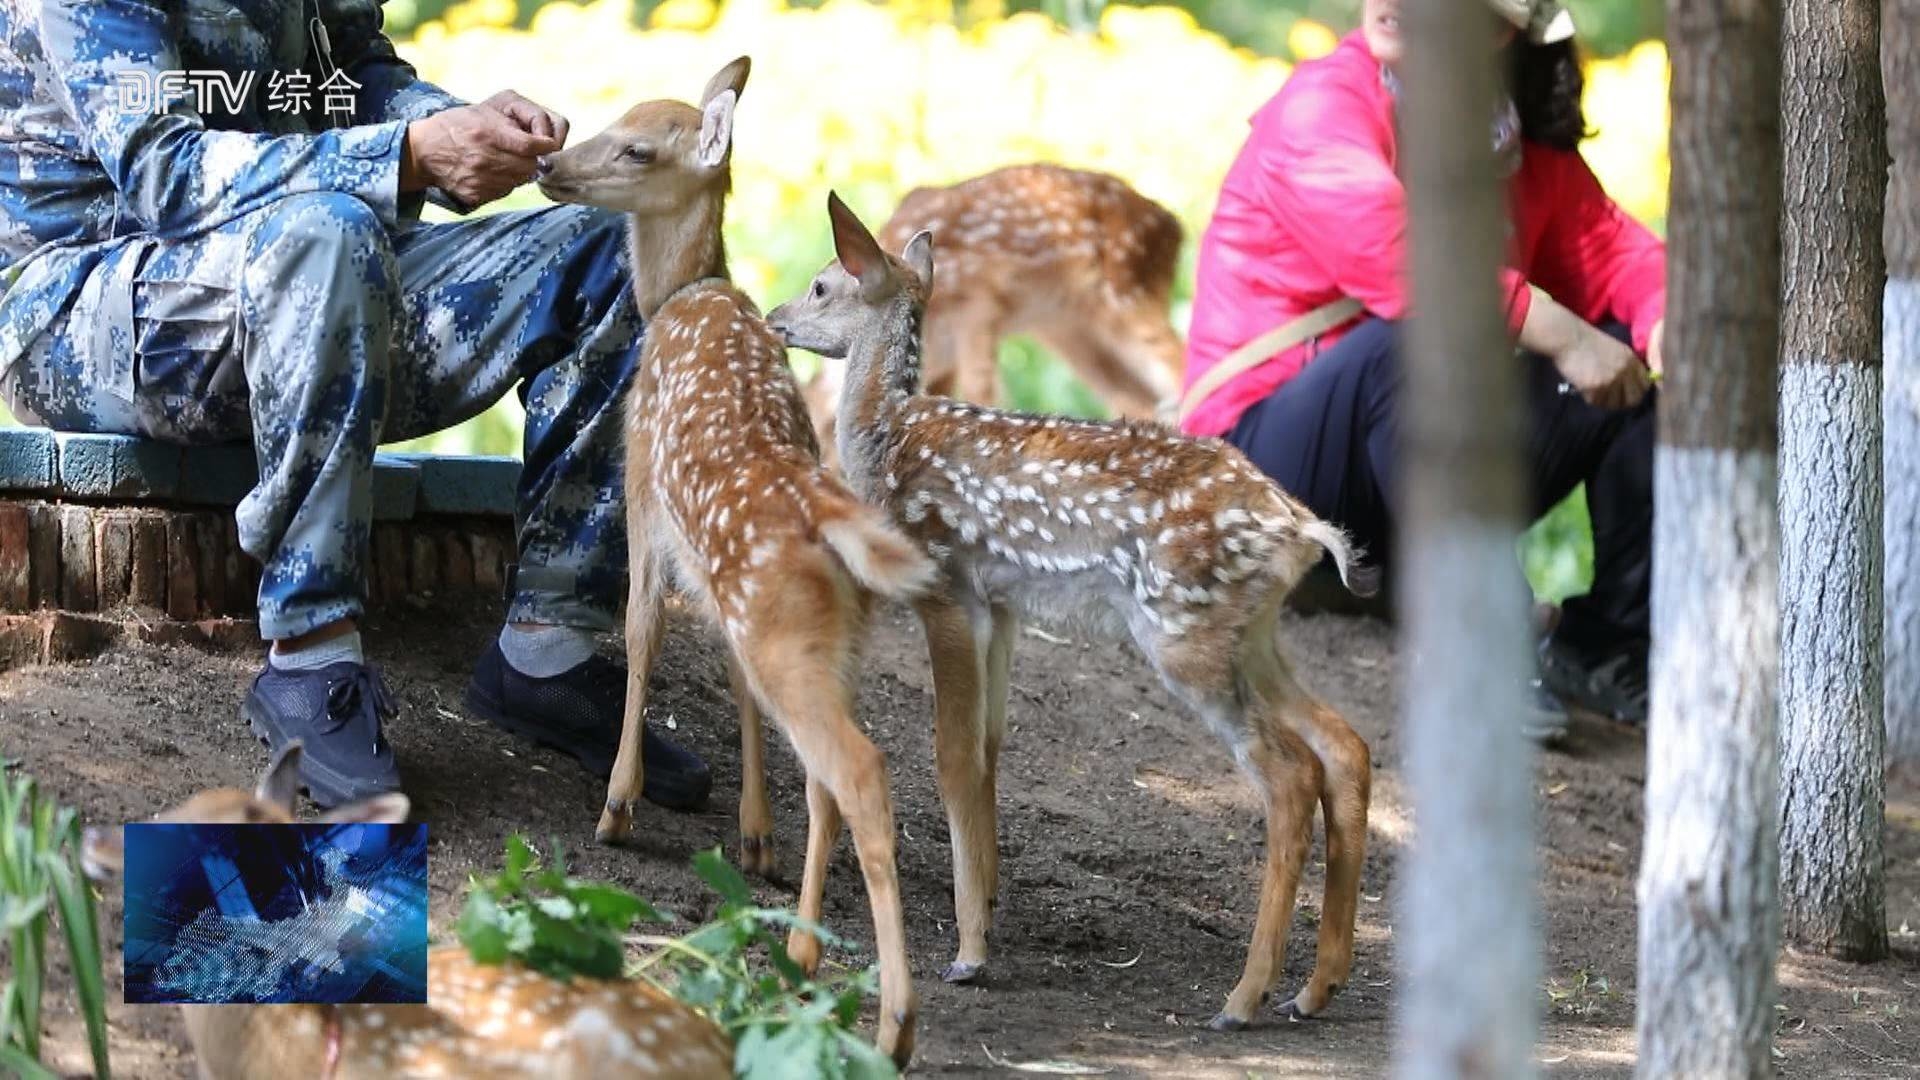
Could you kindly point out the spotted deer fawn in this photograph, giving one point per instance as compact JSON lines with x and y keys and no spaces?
{"x":481,"y":1021}
{"x":1077,"y":259}
{"x":1179,"y":544}
{"x":724,"y":485}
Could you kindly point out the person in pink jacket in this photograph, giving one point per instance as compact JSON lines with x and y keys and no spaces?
{"x":1314,"y":211}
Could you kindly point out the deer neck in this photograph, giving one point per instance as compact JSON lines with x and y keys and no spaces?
{"x":668,"y":252}
{"x":883,"y":374}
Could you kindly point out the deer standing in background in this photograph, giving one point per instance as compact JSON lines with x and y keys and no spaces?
{"x":1180,"y":545}
{"x":724,"y":485}
{"x":1077,"y":259}
{"x":488,"y":1022}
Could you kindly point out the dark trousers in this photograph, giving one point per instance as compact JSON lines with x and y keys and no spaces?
{"x":1330,"y":438}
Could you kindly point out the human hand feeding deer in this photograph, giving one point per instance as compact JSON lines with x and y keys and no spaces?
{"x":1124,"y":528}
{"x":724,"y":487}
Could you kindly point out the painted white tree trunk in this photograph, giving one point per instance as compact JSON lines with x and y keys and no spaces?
{"x":1467,"y":936}
{"x":1833,"y":274}
{"x":1708,"y":873}
{"x":1900,"y":74}
{"x":1902,"y":413}
{"x":1832,"y":869}
{"x":1709,"y":868}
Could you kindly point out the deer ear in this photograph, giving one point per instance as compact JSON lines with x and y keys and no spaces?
{"x":859,"y":253}
{"x":390,"y":809}
{"x":918,"y":254}
{"x":716,"y":130}
{"x":732,"y":77}
{"x":281,"y":781}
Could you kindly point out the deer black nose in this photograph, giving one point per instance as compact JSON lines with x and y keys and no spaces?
{"x":542,"y":166}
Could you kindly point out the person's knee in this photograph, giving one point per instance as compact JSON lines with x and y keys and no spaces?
{"x":595,"y":260}
{"x":323,"y":241}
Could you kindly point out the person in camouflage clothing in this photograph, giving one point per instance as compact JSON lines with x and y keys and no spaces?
{"x":234,"y":252}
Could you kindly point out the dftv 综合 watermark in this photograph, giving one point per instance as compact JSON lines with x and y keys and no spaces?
{"x":148,"y":92}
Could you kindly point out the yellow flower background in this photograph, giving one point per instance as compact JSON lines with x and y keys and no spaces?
{"x":872,"y":100}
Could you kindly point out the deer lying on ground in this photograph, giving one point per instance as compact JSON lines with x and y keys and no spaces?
{"x":1077,"y":259}
{"x":481,"y":1021}
{"x":1124,"y":527}
{"x":724,"y":484}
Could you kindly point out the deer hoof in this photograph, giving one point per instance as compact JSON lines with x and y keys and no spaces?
{"x":963,"y":973}
{"x":616,"y":821}
{"x":1224,"y":1022}
{"x":756,"y":855}
{"x":1292,"y":1011}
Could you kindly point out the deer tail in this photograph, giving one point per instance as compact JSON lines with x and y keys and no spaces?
{"x":1359,"y":578}
{"x":878,"y":555}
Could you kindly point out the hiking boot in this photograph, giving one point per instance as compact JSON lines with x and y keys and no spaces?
{"x":1613,"y":686}
{"x":336,"y":712}
{"x":578,"y":713}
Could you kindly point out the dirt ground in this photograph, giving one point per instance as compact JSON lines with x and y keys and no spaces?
{"x":1131,"y":851}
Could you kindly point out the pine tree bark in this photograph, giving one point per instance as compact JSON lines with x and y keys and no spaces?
{"x":1468,"y":943}
{"x":1709,"y":918}
{"x":1832,"y":725}
{"x":1900,"y":69}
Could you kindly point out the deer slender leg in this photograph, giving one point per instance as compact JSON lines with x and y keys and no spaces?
{"x":823,"y":833}
{"x":960,"y":759}
{"x":1286,"y":768}
{"x":1347,"y":789}
{"x":646,"y":616}
{"x":999,"y":654}
{"x":816,"y":709}
{"x":1346,"y":781}
{"x":756,"y":820}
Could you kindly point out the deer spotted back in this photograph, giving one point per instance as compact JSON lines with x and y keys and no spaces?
{"x":1041,"y":227}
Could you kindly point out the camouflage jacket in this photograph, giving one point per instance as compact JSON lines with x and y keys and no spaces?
{"x":100,"y":147}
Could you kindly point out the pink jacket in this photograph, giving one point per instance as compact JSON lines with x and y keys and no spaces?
{"x":1313,"y":210}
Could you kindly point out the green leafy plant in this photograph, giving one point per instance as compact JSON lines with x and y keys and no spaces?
{"x":542,"y":918}
{"x":735,"y":969}
{"x":39,"y":878}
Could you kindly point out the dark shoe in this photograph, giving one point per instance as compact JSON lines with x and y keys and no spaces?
{"x":1614,"y":685}
{"x":579,"y":713}
{"x":1544,"y":720}
{"x":336,"y":712}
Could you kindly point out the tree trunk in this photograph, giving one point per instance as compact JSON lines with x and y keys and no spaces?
{"x":1709,"y":870}
{"x":1900,"y":65}
{"x":1468,"y":942}
{"x":1832,"y":728}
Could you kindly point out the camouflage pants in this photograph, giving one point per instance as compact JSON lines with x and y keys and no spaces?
{"x":316,"y":332}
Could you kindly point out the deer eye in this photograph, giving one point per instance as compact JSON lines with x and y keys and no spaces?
{"x":639,"y":155}
{"x":819,"y":290}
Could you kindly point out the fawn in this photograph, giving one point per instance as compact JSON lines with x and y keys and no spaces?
{"x":1078,"y":259}
{"x":724,"y":484}
{"x":1122,"y":527}
{"x":480,"y":1020}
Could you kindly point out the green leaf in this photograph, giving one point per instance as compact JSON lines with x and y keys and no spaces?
{"x":520,"y":859}
{"x":613,"y":905}
{"x":722,"y":878}
{"x":83,"y":946}
{"x":480,"y":930}
{"x":557,"y":907}
{"x":25,"y":1067}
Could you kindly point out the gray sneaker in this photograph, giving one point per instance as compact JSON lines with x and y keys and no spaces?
{"x":1544,"y":720}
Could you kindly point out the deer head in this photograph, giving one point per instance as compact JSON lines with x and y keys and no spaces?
{"x":849,"y":299}
{"x":657,"y":158}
